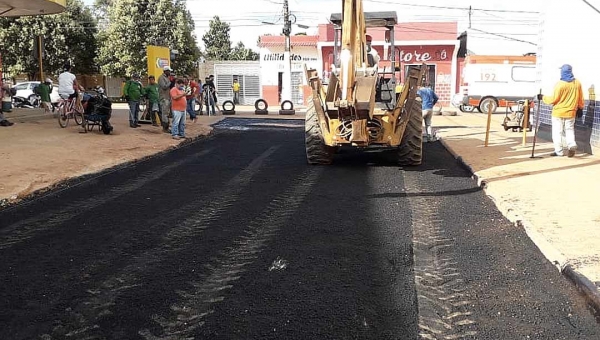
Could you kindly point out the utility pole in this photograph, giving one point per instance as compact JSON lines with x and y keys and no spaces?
{"x":470,"y":12}
{"x":286,"y":86}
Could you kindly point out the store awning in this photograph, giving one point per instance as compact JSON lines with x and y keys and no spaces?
{"x":14,"y":8}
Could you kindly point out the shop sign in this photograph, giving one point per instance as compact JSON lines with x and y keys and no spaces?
{"x":293,"y":57}
{"x":423,"y":56}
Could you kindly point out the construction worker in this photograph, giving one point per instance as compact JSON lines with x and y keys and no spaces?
{"x":372,"y":55}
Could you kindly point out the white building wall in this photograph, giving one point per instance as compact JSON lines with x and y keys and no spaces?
{"x":568,"y":35}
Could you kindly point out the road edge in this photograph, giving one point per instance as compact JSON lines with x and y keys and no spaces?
{"x":583,"y":284}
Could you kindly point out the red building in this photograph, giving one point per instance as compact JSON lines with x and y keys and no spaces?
{"x":433,"y":43}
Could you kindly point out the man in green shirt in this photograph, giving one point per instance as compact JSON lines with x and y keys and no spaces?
{"x":151,"y":92}
{"x":43,"y":90}
{"x":133,"y":92}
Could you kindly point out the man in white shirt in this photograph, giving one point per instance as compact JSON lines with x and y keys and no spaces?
{"x":372,"y":55}
{"x":68,"y":86}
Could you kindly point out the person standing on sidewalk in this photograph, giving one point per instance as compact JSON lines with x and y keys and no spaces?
{"x":428,"y":99}
{"x":191,"y":91}
{"x":164,"y":86}
{"x":567,"y":99}
{"x":133,"y":92}
{"x":44,"y":90}
{"x":151,"y":92}
{"x":236,"y":91}
{"x":178,"y":106}
{"x":4,"y":91}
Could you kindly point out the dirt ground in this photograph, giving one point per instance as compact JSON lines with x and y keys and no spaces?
{"x":36,"y":154}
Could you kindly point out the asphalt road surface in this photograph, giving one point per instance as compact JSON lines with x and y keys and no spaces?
{"x":236,"y":237}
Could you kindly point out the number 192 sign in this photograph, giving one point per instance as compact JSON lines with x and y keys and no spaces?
{"x":488,"y":75}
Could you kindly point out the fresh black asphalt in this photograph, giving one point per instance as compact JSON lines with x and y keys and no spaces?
{"x":236,"y":237}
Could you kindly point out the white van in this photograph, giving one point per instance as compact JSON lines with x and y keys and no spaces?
{"x":496,"y":81}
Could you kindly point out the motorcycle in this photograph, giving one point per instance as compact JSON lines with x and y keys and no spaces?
{"x":24,"y":103}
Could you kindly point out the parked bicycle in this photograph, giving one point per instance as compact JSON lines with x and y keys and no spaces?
{"x":67,"y":110}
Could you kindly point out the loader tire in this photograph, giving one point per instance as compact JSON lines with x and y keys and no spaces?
{"x":317,"y":152}
{"x":410,"y":151}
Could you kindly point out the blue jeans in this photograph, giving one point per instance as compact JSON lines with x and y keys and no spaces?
{"x":190,"y":108}
{"x":178,"y":124}
{"x":134,"y":109}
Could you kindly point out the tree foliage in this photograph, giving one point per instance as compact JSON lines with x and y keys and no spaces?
{"x":135,"y":24}
{"x":240,"y":52}
{"x":217,"y":43}
{"x":68,"y":36}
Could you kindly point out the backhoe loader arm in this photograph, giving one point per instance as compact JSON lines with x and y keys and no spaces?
{"x":352,"y":53}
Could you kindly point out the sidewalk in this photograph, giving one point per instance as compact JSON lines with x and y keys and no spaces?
{"x":553,"y":198}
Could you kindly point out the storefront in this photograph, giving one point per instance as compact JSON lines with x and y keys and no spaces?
{"x":435,"y":44}
{"x":303,"y":52}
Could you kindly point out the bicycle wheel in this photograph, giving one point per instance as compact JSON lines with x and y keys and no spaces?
{"x":78,"y":117}
{"x":63,"y":118}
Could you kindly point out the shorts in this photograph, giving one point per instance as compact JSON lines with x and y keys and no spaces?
{"x":68,"y":96}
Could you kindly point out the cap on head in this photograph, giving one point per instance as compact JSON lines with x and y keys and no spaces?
{"x":48,"y":80}
{"x":369,"y":38}
{"x":167,"y":68}
{"x":566,"y":68}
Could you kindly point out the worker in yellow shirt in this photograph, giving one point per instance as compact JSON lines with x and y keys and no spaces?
{"x":236,"y":91}
{"x":567,"y":99}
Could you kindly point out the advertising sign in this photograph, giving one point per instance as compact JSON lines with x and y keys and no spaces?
{"x":158,"y":58}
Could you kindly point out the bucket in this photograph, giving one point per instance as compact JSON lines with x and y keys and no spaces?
{"x":6,"y":104}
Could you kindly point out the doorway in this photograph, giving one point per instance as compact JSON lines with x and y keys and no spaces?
{"x":430,"y":76}
{"x":279,"y":86}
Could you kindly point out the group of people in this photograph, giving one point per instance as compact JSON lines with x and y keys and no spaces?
{"x":168,"y":98}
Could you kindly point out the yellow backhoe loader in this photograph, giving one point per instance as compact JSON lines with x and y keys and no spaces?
{"x":359,"y":107}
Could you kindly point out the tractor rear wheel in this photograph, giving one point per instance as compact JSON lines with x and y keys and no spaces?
{"x":410,"y":151}
{"x":317,"y":152}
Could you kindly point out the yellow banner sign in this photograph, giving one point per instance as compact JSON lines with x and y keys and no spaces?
{"x":158,"y":58}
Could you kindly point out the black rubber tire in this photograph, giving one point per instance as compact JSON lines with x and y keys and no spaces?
{"x":258,"y":102}
{"x":410,"y":150}
{"x":283,"y":103}
{"x":226,"y":103}
{"x":317,"y":152}
{"x":483,"y":106}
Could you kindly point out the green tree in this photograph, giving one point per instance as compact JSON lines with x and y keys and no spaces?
{"x":68,"y":36}
{"x":216,"y":40}
{"x":218,"y":43}
{"x":240,"y":52}
{"x":135,"y":24}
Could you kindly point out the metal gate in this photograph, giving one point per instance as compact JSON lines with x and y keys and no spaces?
{"x":297,"y":88}
{"x":247,"y":74}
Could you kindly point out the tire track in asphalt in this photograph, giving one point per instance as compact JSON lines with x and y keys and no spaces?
{"x":443,"y":310}
{"x":197,"y":302}
{"x":82,"y":320}
{"x":26,"y":229}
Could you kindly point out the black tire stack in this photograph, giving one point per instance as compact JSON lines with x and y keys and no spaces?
{"x":261,"y":107}
{"x":228,"y":108}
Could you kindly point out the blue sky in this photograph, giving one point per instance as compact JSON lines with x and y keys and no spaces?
{"x":493,"y":20}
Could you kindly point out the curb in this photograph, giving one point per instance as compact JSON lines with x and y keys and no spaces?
{"x":584,"y":285}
